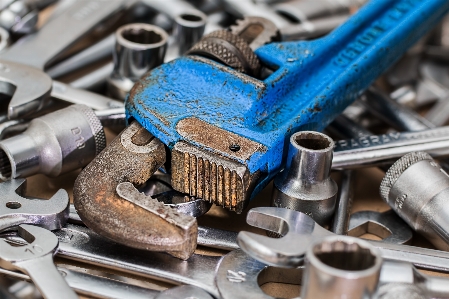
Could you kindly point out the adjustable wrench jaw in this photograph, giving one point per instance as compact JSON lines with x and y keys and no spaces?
{"x":227,"y":131}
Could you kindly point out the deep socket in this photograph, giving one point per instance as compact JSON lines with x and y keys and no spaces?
{"x":305,"y":184}
{"x":138,"y":49}
{"x":53,"y":144}
{"x":416,"y":188}
{"x":341,"y":267}
{"x":189,"y":28}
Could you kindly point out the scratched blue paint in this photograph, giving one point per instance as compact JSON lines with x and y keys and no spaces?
{"x":313,"y":82}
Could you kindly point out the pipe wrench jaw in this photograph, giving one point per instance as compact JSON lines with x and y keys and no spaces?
{"x":313,"y":83}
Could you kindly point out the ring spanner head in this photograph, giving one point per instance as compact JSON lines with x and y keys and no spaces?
{"x":297,"y":229}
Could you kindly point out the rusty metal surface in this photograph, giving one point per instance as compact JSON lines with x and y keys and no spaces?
{"x":131,"y":157}
{"x":213,"y":178}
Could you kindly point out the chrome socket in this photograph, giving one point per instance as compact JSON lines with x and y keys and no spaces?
{"x":305,"y":184}
{"x":417,"y":189}
{"x":138,"y":49}
{"x":341,"y":267}
{"x":53,"y":144}
{"x":189,"y":28}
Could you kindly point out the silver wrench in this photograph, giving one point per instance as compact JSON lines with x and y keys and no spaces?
{"x":28,"y":86}
{"x":31,"y":89}
{"x":15,"y":209}
{"x":387,"y":225}
{"x":385,"y":149}
{"x":36,"y":259}
{"x":62,"y":31}
{"x":299,"y":230}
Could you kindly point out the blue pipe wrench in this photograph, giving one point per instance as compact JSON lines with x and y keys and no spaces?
{"x":227,"y":131}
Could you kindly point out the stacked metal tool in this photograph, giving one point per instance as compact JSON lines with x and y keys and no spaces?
{"x":156,"y":127}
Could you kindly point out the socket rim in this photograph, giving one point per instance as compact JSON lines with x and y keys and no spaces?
{"x":322,"y":136}
{"x":362,"y":244}
{"x":141,"y":26}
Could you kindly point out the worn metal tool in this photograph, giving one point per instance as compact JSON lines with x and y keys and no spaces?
{"x":139,"y":48}
{"x":387,"y":225}
{"x":395,"y":115}
{"x":340,"y":222}
{"x":94,"y":286}
{"x":184,"y":292}
{"x":127,"y":216}
{"x":303,"y":11}
{"x":384,"y":149}
{"x":55,"y":143}
{"x":227,"y":140}
{"x":299,"y":231}
{"x":341,"y":267}
{"x":429,"y":286}
{"x":36,"y":259}
{"x":159,"y":188}
{"x":305,"y":184}
{"x":400,"y":291}
{"x":189,"y":28}
{"x":416,"y":189}
{"x":72,"y":22}
{"x":436,"y":76}
{"x":28,"y":87}
{"x":15,"y":209}
{"x":30,"y":90}
{"x":18,"y":16}
{"x":81,"y":244}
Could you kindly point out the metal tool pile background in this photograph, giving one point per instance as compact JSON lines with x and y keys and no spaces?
{"x":224,"y":149}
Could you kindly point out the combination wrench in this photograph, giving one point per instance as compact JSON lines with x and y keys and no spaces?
{"x":299,"y":230}
{"x":36,"y":259}
{"x":15,"y":209}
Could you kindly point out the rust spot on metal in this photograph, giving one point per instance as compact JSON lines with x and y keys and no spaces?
{"x":198,"y":131}
{"x":106,"y":212}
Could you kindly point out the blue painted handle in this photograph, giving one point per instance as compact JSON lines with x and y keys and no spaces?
{"x":313,"y":83}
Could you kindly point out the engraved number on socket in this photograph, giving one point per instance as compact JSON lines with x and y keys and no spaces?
{"x":80,"y":142}
{"x":400,"y":201}
{"x":233,"y":276}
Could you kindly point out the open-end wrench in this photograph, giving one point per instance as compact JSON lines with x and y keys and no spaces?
{"x":228,"y":146}
{"x":63,"y":31}
{"x":299,"y":231}
{"x":387,"y":225}
{"x":28,"y":86}
{"x":36,"y":259}
{"x":31,"y":89}
{"x":15,"y":209}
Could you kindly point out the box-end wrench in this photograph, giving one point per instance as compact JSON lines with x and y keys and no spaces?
{"x":15,"y":209}
{"x":299,"y":231}
{"x":252,"y":118}
{"x":36,"y":259}
{"x":62,"y":32}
